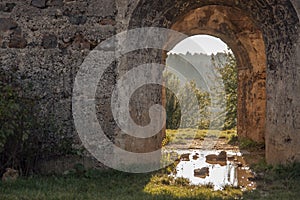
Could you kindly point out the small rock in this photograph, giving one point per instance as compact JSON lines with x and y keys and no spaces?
{"x":201,"y":173}
{"x":211,"y":158}
{"x":17,"y":41}
{"x":67,"y":12}
{"x":185,"y":157}
{"x":49,"y":41}
{"x":55,"y":3}
{"x":67,"y":39}
{"x":239,"y":164}
{"x":8,"y":7}
{"x":7,"y":24}
{"x":107,"y":22}
{"x":231,"y":158}
{"x":10,"y":175}
{"x":69,"y":1}
{"x":220,"y":159}
{"x":81,"y":43}
{"x":39,"y":3}
{"x":78,"y":19}
{"x":195,"y":157}
{"x":222,"y":156}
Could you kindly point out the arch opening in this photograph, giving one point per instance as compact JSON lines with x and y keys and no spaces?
{"x":262,"y":36}
{"x":202,"y":66}
{"x":246,"y":41}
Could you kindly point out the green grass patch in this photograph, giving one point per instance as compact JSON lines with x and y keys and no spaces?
{"x":248,"y":144}
{"x":279,"y":182}
{"x":170,"y":188}
{"x":109,"y":185}
{"x":182,"y":136}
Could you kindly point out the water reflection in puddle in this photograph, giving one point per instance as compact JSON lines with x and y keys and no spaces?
{"x":215,"y":168}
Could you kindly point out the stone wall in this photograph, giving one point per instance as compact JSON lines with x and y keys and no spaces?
{"x":45,"y":42}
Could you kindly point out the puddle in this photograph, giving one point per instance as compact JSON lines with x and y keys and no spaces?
{"x":215,"y":168}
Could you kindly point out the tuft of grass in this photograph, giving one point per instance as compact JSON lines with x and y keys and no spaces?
{"x":245,"y":143}
{"x":180,"y":188}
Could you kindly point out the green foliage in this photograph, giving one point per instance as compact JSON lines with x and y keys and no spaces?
{"x":175,"y":117}
{"x":228,"y":72}
{"x":17,"y":123}
{"x":15,"y":115}
{"x":203,"y":101}
{"x":227,"y":68}
{"x":173,"y":113}
{"x":24,"y":136}
{"x":246,"y":143}
{"x":182,"y":181}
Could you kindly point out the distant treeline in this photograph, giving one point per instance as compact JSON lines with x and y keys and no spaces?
{"x":197,"y":74}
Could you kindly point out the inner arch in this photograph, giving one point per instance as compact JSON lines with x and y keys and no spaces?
{"x":245,"y":39}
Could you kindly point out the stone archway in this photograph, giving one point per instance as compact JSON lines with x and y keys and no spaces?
{"x":246,"y":41}
{"x":262,"y":34}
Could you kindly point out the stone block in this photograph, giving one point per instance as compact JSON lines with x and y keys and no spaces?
{"x":7,"y":24}
{"x":49,"y":41}
{"x":39,"y":3}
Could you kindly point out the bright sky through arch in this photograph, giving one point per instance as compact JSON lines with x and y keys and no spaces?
{"x":200,"y":44}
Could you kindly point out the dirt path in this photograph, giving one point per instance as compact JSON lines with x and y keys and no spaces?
{"x":207,"y":143}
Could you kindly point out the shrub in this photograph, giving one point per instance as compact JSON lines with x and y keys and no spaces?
{"x":17,"y":122}
{"x":25,"y":137}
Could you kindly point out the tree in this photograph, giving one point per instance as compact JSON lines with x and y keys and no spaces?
{"x":197,"y":111}
{"x":228,"y":71}
{"x":173,"y":113}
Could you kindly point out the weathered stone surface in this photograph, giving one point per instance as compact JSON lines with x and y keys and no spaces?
{"x":55,"y":2}
{"x":7,"y":7}
{"x":262,"y":34}
{"x":101,"y":8}
{"x":7,"y":24}
{"x":17,"y":41}
{"x":49,"y":41}
{"x":107,"y":21}
{"x":64,"y":164}
{"x":78,"y":19}
{"x":39,"y":3}
{"x":278,"y":24}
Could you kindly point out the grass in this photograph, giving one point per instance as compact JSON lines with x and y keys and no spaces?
{"x":277,"y":182}
{"x":251,"y":145}
{"x":108,"y":185}
{"x":273,"y":183}
{"x":162,"y":185}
